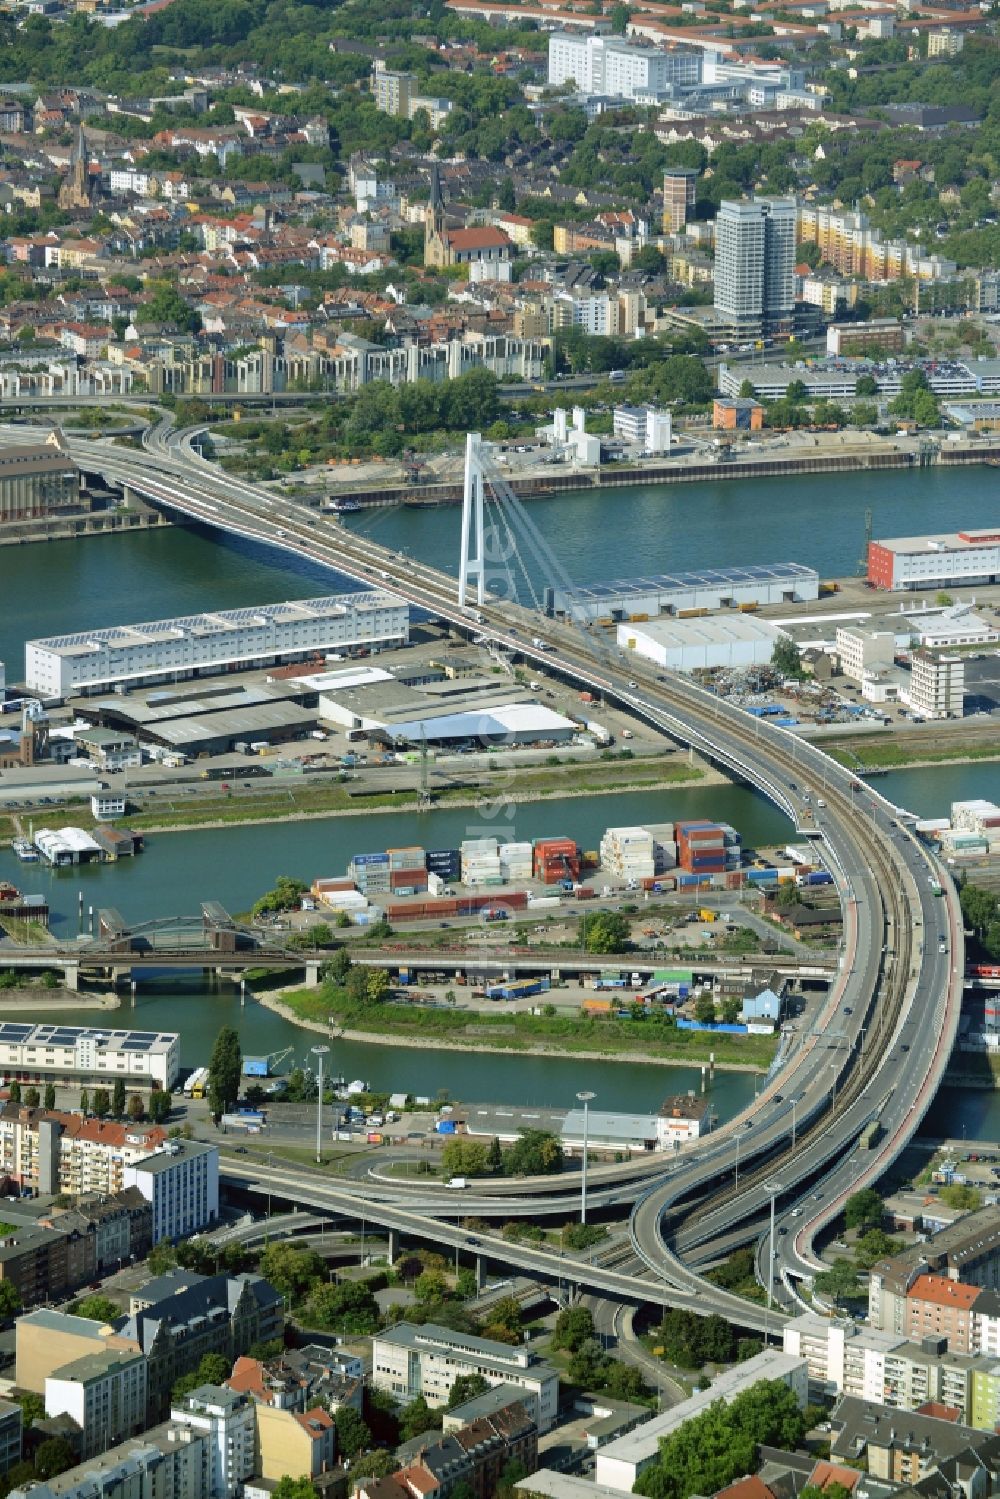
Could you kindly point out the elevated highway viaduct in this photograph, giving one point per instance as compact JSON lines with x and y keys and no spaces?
{"x":881,"y":1044}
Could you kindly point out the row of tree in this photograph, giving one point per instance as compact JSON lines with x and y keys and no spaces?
{"x":103,"y":1103}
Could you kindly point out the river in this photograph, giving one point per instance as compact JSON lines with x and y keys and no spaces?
{"x":64,"y":586}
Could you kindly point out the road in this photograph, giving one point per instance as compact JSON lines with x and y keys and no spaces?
{"x":896,"y":989}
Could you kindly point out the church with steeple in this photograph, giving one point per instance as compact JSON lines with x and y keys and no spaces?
{"x":435,"y":224}
{"x":485,"y":245}
{"x":77,"y":190}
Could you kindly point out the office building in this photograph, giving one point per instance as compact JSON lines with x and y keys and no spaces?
{"x":964,"y":559}
{"x":621,"y":1461}
{"x":181,"y":1183}
{"x":37,"y":480}
{"x":104,"y":1393}
{"x":204,"y":644}
{"x":74,"y":1054}
{"x":755,"y":265}
{"x":863,"y":648}
{"x":937,"y":684}
{"x":680,"y":187}
{"x":617,"y":69}
{"x":408,"y":1361}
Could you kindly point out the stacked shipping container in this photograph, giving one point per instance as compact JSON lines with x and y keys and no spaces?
{"x":556,"y":859}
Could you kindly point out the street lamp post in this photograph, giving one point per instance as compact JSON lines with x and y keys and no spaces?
{"x":737,"y":1163}
{"x":586,"y":1098}
{"x":793,"y":1123}
{"x":319,"y":1052}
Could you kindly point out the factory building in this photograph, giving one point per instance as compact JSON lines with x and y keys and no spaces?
{"x":204,"y":644}
{"x":211,"y":719}
{"x":954,"y":559}
{"x":73,"y":1054}
{"x":37,"y":480}
{"x":674,"y":593}
{"x":700,"y":644}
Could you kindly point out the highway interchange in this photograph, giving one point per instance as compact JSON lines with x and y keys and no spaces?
{"x":877,"y":1051}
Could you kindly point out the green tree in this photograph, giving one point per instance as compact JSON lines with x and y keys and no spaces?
{"x":50,"y":1095}
{"x":10,"y":1299}
{"x":620,"y":17}
{"x":292,"y":1272}
{"x":606,"y":932}
{"x":466,"y":1387}
{"x":574,"y":1327}
{"x":494,"y":1157}
{"x":748,"y":391}
{"x":353,"y":1436}
{"x":839,"y":1282}
{"x":225,"y":1068}
{"x":377,"y":1464}
{"x":866,"y":385}
{"x":785,"y":658}
{"x":213,"y":1368}
{"x":101,"y":1103}
{"x":349,"y":1307}
{"x":32,"y":1407}
{"x":416,"y":1418}
{"x":97,"y":1309}
{"x":863,"y":1209}
{"x":535,"y":1152}
{"x":286,"y":896}
{"x":293,"y":1488}
{"x":704,"y":1009}
{"x":118,"y":1098}
{"x":873,"y":1246}
{"x":430,"y":1287}
{"x":32,"y":1098}
{"x":84,"y":1101}
{"x":14,"y":1091}
{"x":958,"y":1195}
{"x":160,"y":1103}
{"x":506,"y":197}
{"x":464,"y":1157}
{"x":54,"y":1456}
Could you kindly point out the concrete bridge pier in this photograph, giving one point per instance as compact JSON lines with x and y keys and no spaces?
{"x":480,"y":1274}
{"x":312,"y":973}
{"x":71,"y":976}
{"x":394,"y":1245}
{"x":118,"y":975}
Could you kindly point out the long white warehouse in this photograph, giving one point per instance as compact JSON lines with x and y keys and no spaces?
{"x":201,"y":644}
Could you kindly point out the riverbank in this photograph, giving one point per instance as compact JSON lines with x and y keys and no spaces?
{"x":686,"y":1049}
{"x":251,"y":814}
{"x":863,"y":755}
{"x":17,"y":1001}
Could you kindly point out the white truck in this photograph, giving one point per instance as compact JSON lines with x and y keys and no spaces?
{"x":457,"y":1183}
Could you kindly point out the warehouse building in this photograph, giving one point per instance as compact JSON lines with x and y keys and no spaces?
{"x":37,"y":480}
{"x":73,"y":1054}
{"x":963,"y":559}
{"x":673,"y":593}
{"x":368,"y":701}
{"x":212,"y":718}
{"x":699,"y":644}
{"x":204,"y":644}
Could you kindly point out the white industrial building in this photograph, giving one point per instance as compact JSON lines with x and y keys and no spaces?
{"x":643,"y":424}
{"x":61,"y":846}
{"x":181,"y":1183}
{"x":966,"y":559}
{"x":617,"y":69}
{"x":728,"y":640}
{"x":621,"y":1461}
{"x":77,"y":1054}
{"x":715,"y":588}
{"x":572,"y":438}
{"x":200,"y":644}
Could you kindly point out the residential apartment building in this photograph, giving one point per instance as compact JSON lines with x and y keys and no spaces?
{"x":907,"y":1452}
{"x":11,"y":1435}
{"x":226,"y":1420}
{"x":104,"y":1393}
{"x":288,"y":1441}
{"x":967,"y":1251}
{"x":755,"y":264}
{"x":848,"y":243}
{"x":55,"y":1152}
{"x":966,"y":559}
{"x":847,"y":1358}
{"x":180,"y":1181}
{"x":474,"y":1454}
{"x":408,"y":1361}
{"x":47,"y":1340}
{"x":680,"y":185}
{"x":204,"y":644}
{"x":937,"y":684}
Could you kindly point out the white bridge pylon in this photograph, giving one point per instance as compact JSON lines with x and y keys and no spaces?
{"x":472,"y":569}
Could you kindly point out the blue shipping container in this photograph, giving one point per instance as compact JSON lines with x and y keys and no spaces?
{"x":445,"y":1126}
{"x":360,"y":859}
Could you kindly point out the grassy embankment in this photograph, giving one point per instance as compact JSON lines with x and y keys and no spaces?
{"x":510,"y":1031}
{"x":292,"y":799}
{"x":897,"y":753}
